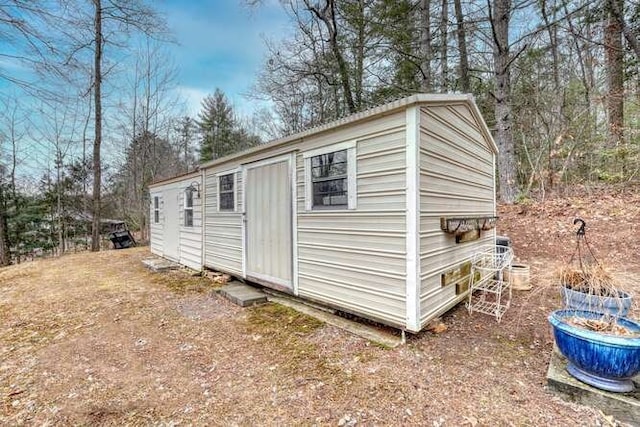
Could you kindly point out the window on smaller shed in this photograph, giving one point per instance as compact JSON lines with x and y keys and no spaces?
{"x":329,"y":180}
{"x":188,"y":208}
{"x":226,"y":194}
{"x":156,"y":209}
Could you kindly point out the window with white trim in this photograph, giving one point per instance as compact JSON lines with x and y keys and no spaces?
{"x":188,"y":208}
{"x":330,"y":177}
{"x":226,"y":192}
{"x":156,"y":209}
{"x":329,"y":180}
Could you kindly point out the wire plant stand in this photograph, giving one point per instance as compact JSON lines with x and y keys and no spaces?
{"x":489,"y":287}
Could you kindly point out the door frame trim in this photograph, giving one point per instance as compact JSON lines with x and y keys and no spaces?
{"x":290,"y":158}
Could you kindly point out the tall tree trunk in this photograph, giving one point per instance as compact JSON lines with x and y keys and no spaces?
{"x":85,"y":175}
{"x":556,"y":122}
{"x":615,"y":79}
{"x":337,"y":52}
{"x":59,"y":216}
{"x":5,"y":258}
{"x":444,"y":32}
{"x":359,"y":72}
{"x":425,"y":46}
{"x":97,"y":172}
{"x":616,"y":9}
{"x":465,"y":84}
{"x":506,"y":157}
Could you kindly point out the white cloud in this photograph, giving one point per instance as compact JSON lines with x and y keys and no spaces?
{"x":192,"y":97}
{"x":221,"y":46}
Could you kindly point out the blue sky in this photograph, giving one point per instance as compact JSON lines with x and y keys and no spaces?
{"x":221,"y":44}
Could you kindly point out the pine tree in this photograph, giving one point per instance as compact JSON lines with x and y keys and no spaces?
{"x":217,"y":125}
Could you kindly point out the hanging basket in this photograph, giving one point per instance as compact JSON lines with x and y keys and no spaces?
{"x":586,"y":285}
{"x":601,"y":345}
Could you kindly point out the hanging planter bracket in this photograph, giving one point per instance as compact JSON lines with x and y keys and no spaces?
{"x":461,"y":225}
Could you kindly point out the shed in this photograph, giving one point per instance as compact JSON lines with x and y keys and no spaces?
{"x":364,"y":214}
{"x":176,"y":219}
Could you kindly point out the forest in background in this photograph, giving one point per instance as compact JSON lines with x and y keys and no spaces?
{"x":557,"y":81}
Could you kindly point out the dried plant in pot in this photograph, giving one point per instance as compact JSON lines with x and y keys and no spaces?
{"x":588,"y":285}
{"x":593,"y":288}
{"x":601,"y":345}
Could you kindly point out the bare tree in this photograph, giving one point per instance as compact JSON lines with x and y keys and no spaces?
{"x":111,"y":22}
{"x":97,"y":141}
{"x":327,"y":15}
{"x":444,"y":33}
{"x":5,"y":258}
{"x":614,"y":54}
{"x":425,"y":46}
{"x":500,"y":15}
{"x":465,"y":83}
{"x":146,"y":116}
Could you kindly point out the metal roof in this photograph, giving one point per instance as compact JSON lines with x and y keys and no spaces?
{"x":387,"y":108}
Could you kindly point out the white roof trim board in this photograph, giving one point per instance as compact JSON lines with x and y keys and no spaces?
{"x":426,"y":99}
{"x":183,"y":177}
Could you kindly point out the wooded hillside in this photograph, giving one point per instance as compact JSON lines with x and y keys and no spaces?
{"x":558,"y":82}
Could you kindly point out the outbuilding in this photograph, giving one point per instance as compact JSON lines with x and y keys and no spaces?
{"x":376,"y":214}
{"x":176,"y":219}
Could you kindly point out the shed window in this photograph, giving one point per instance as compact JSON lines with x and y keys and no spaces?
{"x":188,"y":208}
{"x":156,"y":209}
{"x":330,"y":177}
{"x":226,"y":193}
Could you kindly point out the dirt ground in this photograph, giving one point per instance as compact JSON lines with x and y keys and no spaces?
{"x":96,"y":339}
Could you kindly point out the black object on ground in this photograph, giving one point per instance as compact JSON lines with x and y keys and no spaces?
{"x":122,"y":238}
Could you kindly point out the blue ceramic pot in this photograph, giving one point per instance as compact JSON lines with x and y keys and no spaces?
{"x":605,"y":361}
{"x":616,"y":306}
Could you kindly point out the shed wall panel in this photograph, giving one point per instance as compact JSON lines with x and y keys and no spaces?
{"x":375,"y":131}
{"x":456,"y":179}
{"x":156,"y":235}
{"x":223,"y":230}
{"x":355,"y":259}
{"x":189,"y":238}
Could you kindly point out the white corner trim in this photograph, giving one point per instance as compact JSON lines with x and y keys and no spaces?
{"x":413,"y":217}
{"x":330,"y":149}
{"x":243,"y":220}
{"x":203,"y":202}
{"x":294,"y":222}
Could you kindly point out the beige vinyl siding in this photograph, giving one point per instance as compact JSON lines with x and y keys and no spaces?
{"x":223,"y":230}
{"x":355,"y":259}
{"x":156,"y":236}
{"x":456,"y":179}
{"x":191,"y":237}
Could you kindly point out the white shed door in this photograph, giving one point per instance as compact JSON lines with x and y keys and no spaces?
{"x":268,"y":223}
{"x":171,"y":224}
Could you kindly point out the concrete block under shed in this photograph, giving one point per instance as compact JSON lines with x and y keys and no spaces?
{"x":160,"y":264}
{"x":242,"y":294}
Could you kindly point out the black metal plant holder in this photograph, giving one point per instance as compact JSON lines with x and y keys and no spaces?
{"x":582,"y":245}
